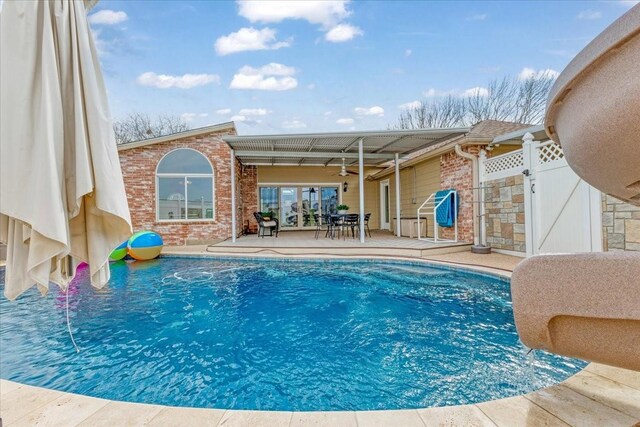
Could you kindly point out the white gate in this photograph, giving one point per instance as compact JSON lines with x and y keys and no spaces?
{"x":563,"y":212}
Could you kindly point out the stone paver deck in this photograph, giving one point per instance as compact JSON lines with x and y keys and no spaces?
{"x":599,"y":395}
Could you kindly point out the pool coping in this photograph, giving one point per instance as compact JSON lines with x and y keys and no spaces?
{"x":597,"y":393}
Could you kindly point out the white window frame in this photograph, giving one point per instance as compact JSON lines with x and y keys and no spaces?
{"x":299,"y":186}
{"x":186,"y":177}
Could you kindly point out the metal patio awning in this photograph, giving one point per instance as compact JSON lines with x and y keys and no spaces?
{"x":328,"y":149}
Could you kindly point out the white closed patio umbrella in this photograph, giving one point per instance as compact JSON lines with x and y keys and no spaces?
{"x":62,"y":198}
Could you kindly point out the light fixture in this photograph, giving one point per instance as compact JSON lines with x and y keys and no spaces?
{"x":345,"y":186}
{"x":312,"y":190}
{"x":343,"y":170}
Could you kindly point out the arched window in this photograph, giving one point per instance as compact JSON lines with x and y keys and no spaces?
{"x":184,"y":187}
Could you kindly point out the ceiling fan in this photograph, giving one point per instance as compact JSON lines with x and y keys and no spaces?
{"x":344,"y":171}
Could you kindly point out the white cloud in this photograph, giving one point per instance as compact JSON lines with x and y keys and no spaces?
{"x":342,"y":33}
{"x":246,"y":39}
{"x":293,"y":124}
{"x":329,"y":14}
{"x":346,"y":121}
{"x":272,"y":76}
{"x":328,"y":113}
{"x":186,"y":81}
{"x":530,"y":73}
{"x":253,"y":112}
{"x":324,"y":12}
{"x":629,"y":3}
{"x":189,"y":117}
{"x":475,"y":91}
{"x":408,"y":52}
{"x":372,"y":111}
{"x":107,"y":17}
{"x":276,"y":69}
{"x":477,"y":17}
{"x":432,"y":92}
{"x":311,"y":86}
{"x":238,"y":118}
{"x":589,"y":15}
{"x":410,"y":105}
{"x":223,"y":111}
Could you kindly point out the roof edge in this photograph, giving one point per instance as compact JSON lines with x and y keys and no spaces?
{"x":536,"y":130}
{"x":179,"y":135}
{"x":449,"y":146}
{"x":352,"y":134}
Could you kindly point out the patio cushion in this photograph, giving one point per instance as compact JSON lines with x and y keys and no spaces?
{"x":269,"y":224}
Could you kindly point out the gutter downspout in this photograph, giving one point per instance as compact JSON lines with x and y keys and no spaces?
{"x":476,"y":180}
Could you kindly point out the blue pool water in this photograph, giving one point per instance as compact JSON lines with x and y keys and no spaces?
{"x":277,"y":335}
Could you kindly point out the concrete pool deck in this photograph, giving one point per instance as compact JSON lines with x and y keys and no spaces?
{"x":599,"y":395}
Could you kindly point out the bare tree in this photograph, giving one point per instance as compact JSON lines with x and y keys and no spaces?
{"x":507,"y":99}
{"x":440,"y":113}
{"x":139,"y":126}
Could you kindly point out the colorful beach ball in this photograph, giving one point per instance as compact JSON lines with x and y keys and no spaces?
{"x":119,"y":252}
{"x":145,"y":245}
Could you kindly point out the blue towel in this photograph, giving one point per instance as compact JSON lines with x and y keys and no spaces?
{"x":444,"y":213}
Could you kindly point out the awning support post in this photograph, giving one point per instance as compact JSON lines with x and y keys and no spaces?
{"x":361,"y":187}
{"x":398,"y":222}
{"x":233,"y":196}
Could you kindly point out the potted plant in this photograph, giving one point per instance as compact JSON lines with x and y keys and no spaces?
{"x":266,"y":215}
{"x":342,"y":209}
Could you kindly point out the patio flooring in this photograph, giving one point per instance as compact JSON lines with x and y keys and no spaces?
{"x":305,"y":243}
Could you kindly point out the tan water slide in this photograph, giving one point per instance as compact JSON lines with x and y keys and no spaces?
{"x":588,"y":305}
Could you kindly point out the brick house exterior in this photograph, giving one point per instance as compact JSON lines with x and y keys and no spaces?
{"x":457,"y":172}
{"x":139,"y":161}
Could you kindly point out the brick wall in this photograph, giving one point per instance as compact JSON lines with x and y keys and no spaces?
{"x":249,"y":195}
{"x":504,"y":213}
{"x":457,"y":172}
{"x":621,"y":225}
{"x":139,"y":167}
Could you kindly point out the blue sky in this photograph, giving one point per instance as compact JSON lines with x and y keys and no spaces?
{"x":303,"y":66}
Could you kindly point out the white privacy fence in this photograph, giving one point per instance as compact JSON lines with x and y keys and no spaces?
{"x":502,"y":166}
{"x":562,"y":212}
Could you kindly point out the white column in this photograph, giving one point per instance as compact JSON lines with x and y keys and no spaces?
{"x":361,"y":187}
{"x":397,"y":164}
{"x":528,"y":153}
{"x":233,"y":196}
{"x":481,"y":181}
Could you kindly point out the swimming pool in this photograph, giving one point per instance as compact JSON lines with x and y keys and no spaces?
{"x":277,"y":335}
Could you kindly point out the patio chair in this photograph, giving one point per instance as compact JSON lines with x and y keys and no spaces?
{"x":352,"y":221}
{"x":272,"y":225}
{"x":316,"y":218}
{"x":335,"y":224}
{"x":366,"y":223}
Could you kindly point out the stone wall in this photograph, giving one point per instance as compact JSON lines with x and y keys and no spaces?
{"x":621,"y":225}
{"x":504,"y":213}
{"x":139,"y":168}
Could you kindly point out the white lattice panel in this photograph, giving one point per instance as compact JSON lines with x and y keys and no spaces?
{"x":550,"y":153}
{"x":503,"y":166}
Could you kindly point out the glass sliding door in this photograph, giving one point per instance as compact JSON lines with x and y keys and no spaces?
{"x":270,"y":201}
{"x":295,"y":205}
{"x":329,"y":198}
{"x":289,"y":211}
{"x":310,"y":206}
